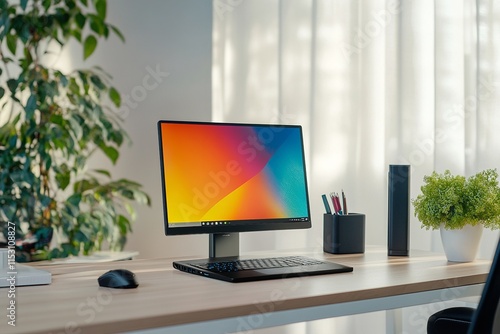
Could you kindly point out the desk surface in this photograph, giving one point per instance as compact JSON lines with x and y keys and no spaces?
{"x":74,"y":303}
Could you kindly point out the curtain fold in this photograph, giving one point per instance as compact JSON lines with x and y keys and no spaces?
{"x":373,"y":83}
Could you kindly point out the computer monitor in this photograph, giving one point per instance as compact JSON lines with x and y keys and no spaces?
{"x":225,"y":178}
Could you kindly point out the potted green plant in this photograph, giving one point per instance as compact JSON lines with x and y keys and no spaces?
{"x":460,"y":207}
{"x":51,"y":123}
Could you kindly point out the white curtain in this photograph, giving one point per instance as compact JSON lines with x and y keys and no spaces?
{"x":373,"y":83}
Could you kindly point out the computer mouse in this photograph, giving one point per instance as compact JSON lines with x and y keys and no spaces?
{"x":118,"y":279}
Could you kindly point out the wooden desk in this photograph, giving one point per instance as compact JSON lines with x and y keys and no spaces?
{"x":185,"y":303}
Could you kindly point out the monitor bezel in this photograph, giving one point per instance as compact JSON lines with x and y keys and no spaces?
{"x":243,"y":225}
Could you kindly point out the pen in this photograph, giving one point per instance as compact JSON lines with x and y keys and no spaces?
{"x":335,"y":208}
{"x":327,"y":206}
{"x":337,"y":201}
{"x":344,"y":202}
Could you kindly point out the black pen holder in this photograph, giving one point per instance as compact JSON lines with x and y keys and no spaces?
{"x":344,"y":234}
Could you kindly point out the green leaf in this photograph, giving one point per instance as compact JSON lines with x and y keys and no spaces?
{"x":5,"y":23}
{"x":12,"y":43}
{"x":96,"y":24}
{"x":108,"y":126}
{"x":23,"y":4}
{"x":97,"y":82}
{"x":57,"y":119}
{"x":46,"y":4}
{"x":84,"y":185}
{"x":30,"y":106}
{"x":89,"y":46}
{"x":48,"y":162}
{"x":12,"y":84}
{"x":103,"y":172}
{"x":70,"y":4}
{"x":13,"y":141}
{"x":77,"y":34}
{"x":69,"y":249}
{"x":45,"y":200}
{"x":75,"y":127}
{"x":63,"y":179}
{"x":73,"y":86}
{"x":74,"y":200}
{"x":115,"y":97}
{"x":24,"y":33}
{"x":130,"y":210}
{"x":63,"y":79}
{"x":118,"y":33}
{"x":100,"y":6}
{"x":105,"y":31}
{"x":127,"y":193}
{"x":28,"y":56}
{"x":142,"y":197}
{"x":116,"y":137}
{"x":80,"y":20}
{"x":110,"y":152}
{"x":10,"y":210}
{"x":128,"y":183}
{"x":123,"y":224}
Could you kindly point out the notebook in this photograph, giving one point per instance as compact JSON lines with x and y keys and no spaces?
{"x":235,"y":270}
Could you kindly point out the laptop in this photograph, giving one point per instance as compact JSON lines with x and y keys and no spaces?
{"x":235,"y":270}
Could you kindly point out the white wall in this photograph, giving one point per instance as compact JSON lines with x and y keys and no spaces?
{"x":174,"y":37}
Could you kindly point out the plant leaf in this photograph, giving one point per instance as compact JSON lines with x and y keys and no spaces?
{"x":75,"y":199}
{"x":96,"y":24}
{"x":118,"y":33}
{"x":100,"y":6}
{"x":30,"y":106}
{"x":97,"y":82}
{"x":110,"y":152}
{"x":23,"y":4}
{"x":77,"y":35}
{"x":12,"y":43}
{"x":4,"y":23}
{"x":63,"y":179}
{"x":80,"y":20}
{"x":12,"y":84}
{"x":115,"y":97}
{"x":103,"y":172}
{"x":89,"y":46}
{"x":46,"y":4}
{"x":123,"y":224}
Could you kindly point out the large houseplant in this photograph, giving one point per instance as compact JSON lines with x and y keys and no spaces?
{"x":457,"y":205}
{"x":51,"y":123}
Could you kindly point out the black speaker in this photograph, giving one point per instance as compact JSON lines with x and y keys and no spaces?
{"x":399,"y":210}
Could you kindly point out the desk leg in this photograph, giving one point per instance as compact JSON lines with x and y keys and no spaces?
{"x":394,"y":321}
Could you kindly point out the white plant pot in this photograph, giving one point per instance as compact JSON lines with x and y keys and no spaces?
{"x":461,"y":245}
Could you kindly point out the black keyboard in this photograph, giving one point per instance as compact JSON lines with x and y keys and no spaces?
{"x":252,"y":264}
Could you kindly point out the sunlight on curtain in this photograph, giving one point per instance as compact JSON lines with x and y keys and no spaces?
{"x":373,"y":83}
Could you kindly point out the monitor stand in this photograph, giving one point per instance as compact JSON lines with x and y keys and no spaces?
{"x":224,"y":245}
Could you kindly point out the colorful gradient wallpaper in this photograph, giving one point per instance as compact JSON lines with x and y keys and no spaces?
{"x":227,"y":172}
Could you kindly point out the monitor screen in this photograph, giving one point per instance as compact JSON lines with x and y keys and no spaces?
{"x":227,"y":177}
